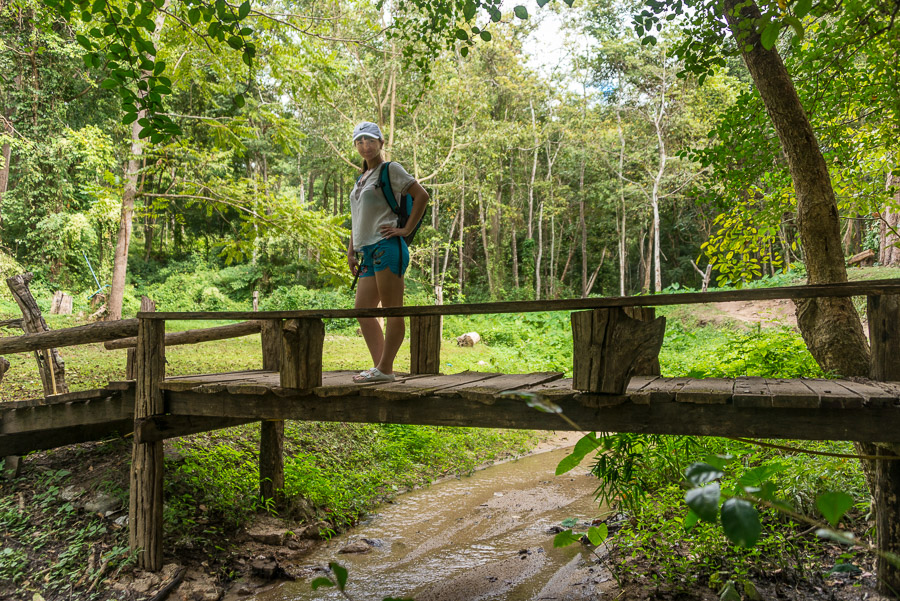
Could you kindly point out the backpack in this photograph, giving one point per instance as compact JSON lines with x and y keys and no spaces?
{"x":402,"y":209}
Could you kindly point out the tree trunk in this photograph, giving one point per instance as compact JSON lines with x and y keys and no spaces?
{"x":537,"y":147}
{"x":889,"y":252}
{"x":540,"y":253}
{"x":830,"y":326}
{"x":621,"y":227}
{"x":120,"y":260}
{"x":5,"y":156}
{"x":582,"y":225}
{"x":484,"y":242}
{"x":462,"y":234}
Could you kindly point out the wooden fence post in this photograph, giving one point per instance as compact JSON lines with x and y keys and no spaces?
{"x":425,"y":344}
{"x":301,"y":358}
{"x":145,"y":509}
{"x":884,"y":338}
{"x":50,"y":364}
{"x":271,"y":433}
{"x":650,"y":367}
{"x":608,"y":345}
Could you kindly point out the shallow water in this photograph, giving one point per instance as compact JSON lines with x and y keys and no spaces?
{"x":479,"y":537}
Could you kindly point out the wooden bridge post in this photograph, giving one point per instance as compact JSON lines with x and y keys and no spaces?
{"x":608,"y":345}
{"x":650,"y":367}
{"x":271,"y":433}
{"x":884,"y":338}
{"x":301,"y":358}
{"x":425,"y":344}
{"x":145,"y":508}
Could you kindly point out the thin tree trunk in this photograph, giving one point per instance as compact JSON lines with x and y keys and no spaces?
{"x":462,"y":234}
{"x":484,"y":241}
{"x":621,"y":228}
{"x":582,"y":225}
{"x":537,"y":147}
{"x":512,"y":203}
{"x":889,"y":251}
{"x":540,"y":252}
{"x":123,"y":240}
{"x":5,"y":158}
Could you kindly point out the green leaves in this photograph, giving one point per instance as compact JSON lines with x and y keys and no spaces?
{"x":565,"y":538}
{"x":244,"y":10}
{"x":834,"y":505}
{"x":802,"y":8}
{"x":585,"y":445}
{"x":740,"y":522}
{"x":704,"y":501}
{"x":340,"y":577}
{"x":769,"y":35}
{"x":701,"y":473}
{"x":521,"y":12}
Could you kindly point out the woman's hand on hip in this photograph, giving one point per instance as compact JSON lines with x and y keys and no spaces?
{"x":390,"y":231}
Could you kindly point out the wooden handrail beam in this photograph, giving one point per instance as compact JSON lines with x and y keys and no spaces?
{"x":235,"y":330}
{"x":844,"y":289}
{"x":101,"y":331}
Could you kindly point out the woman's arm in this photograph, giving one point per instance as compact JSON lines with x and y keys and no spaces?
{"x":420,"y":201}
{"x":351,"y":258}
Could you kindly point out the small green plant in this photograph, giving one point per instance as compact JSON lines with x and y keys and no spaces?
{"x":13,"y":564}
{"x":338,"y":578}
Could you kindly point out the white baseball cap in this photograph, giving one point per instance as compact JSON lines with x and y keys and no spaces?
{"x":367,"y":128}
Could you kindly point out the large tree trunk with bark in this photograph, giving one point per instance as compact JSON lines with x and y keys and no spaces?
{"x":889,"y":253}
{"x":830,"y":326}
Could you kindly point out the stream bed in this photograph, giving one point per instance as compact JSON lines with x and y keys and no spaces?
{"x":485,"y":536}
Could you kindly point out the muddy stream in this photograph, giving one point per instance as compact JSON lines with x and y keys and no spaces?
{"x":485,"y":536}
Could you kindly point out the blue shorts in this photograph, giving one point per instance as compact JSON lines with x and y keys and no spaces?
{"x":390,"y":253}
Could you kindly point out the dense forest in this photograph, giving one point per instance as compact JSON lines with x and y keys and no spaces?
{"x":198,"y":152}
{"x":616,"y":171}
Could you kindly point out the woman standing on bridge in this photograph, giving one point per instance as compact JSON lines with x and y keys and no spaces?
{"x":377,"y":252}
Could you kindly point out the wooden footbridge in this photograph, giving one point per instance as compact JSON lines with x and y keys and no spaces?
{"x":616,"y":387}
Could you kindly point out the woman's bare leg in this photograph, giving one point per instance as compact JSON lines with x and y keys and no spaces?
{"x":390,"y":290}
{"x":367,"y":298}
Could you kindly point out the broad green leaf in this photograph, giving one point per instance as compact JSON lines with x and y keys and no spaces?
{"x":109,"y":84}
{"x":802,"y":8}
{"x":690,"y":520}
{"x":542,"y":3}
{"x":598,"y":534}
{"x":462,"y":35}
{"x":244,"y":10}
{"x":340,"y":573}
{"x":84,"y":42}
{"x":651,"y":40}
{"x":235,"y":42}
{"x":194,"y":15}
{"x":845,"y":538}
{"x":585,"y":445}
{"x":521,"y":12}
{"x":469,"y":10}
{"x":565,"y":538}
{"x":704,"y":501}
{"x":701,"y":473}
{"x":729,"y":592}
{"x":769,"y":35}
{"x":834,"y":505}
{"x":98,"y":6}
{"x":845,"y":568}
{"x":129,"y":118}
{"x":740,"y":522}
{"x":758,"y":476}
{"x":486,"y":36}
{"x":239,"y":101}
{"x":569,"y":522}
{"x":796,"y":24}
{"x":464,"y":51}
{"x":320,"y":582}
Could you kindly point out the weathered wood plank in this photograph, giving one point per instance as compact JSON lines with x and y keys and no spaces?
{"x":869,"y":394}
{"x":162,"y":427}
{"x":485,"y":390}
{"x":866,"y":425}
{"x":341,"y":383}
{"x":94,"y":332}
{"x":709,"y":391}
{"x":638,"y":389}
{"x":557,"y":391}
{"x":235,"y":330}
{"x":65,"y":415}
{"x":752,"y":392}
{"x":832,"y":395}
{"x":26,"y":442}
{"x":424,"y":386}
{"x":792,"y":394}
{"x":859,"y":288}
{"x":662,"y":390}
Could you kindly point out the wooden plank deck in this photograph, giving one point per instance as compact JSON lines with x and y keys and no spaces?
{"x":769,"y":408}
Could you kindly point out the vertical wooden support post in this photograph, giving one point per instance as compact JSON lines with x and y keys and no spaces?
{"x":884,"y":338}
{"x":425,"y":344}
{"x":301,"y":358}
{"x":651,"y":367}
{"x":271,"y":433}
{"x":608,"y":345}
{"x":145,"y":508}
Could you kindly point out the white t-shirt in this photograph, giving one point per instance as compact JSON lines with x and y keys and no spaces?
{"x":368,"y":208}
